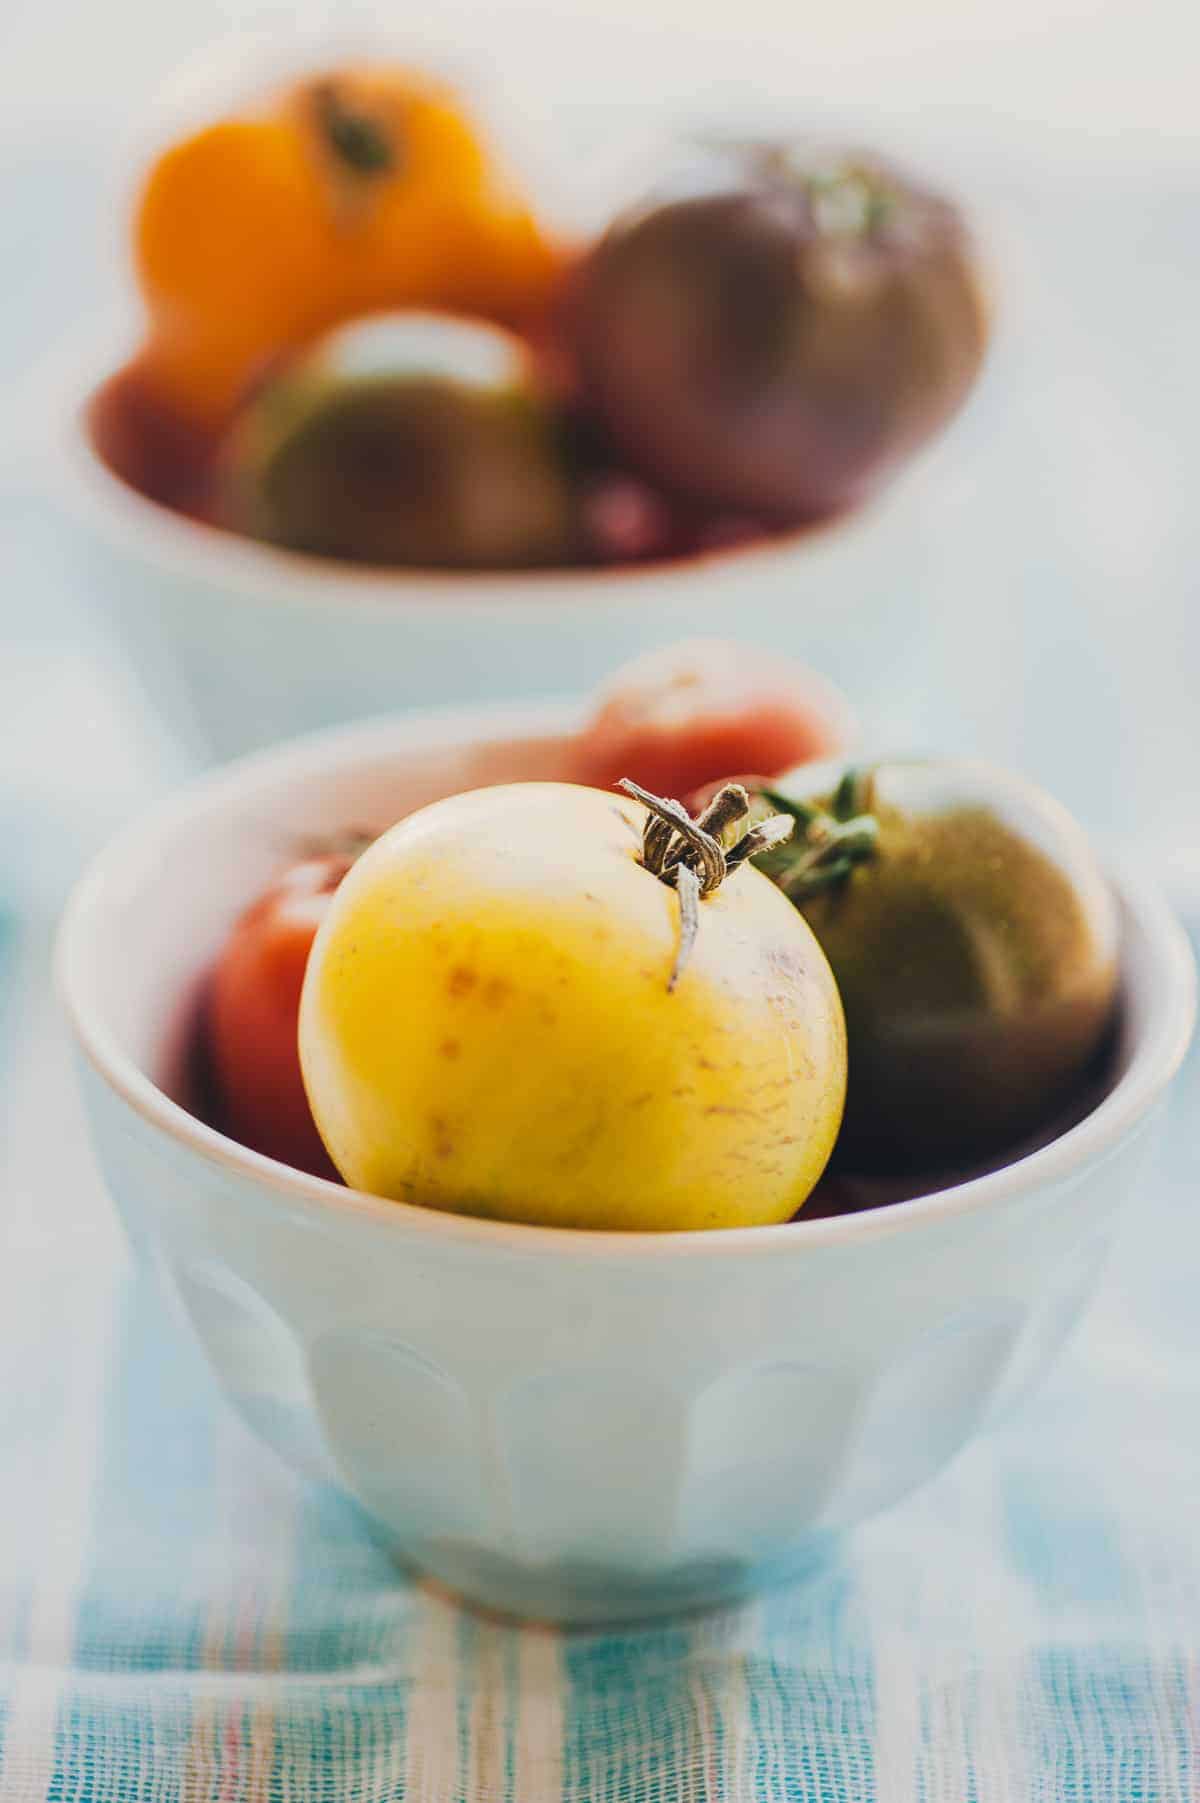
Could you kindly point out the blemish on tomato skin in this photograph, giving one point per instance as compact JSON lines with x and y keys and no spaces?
{"x":496,"y":992}
{"x":785,"y":965}
{"x":461,"y":980}
{"x":443,"y":1145}
{"x":450,"y":1048}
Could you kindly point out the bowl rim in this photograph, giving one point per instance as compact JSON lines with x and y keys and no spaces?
{"x":1171,"y":989}
{"x":240,"y":567}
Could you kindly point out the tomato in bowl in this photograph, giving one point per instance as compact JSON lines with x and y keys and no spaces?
{"x":571,"y":1425}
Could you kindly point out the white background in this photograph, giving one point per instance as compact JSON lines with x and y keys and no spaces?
{"x":1103,"y":69}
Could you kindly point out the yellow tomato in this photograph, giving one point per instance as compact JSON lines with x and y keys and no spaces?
{"x":487,"y":1025}
{"x":359,"y":190}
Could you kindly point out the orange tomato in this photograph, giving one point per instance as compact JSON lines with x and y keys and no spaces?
{"x":355,"y":191}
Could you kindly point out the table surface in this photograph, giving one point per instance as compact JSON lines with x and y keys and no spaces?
{"x":178,"y":1616}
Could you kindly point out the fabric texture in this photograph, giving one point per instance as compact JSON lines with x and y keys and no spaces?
{"x":182,"y":1620}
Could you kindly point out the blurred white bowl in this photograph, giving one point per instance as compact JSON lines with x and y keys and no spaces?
{"x":562,"y":1424}
{"x":241,"y":644}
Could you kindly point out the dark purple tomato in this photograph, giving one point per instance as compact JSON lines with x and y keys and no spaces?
{"x":778,"y":337}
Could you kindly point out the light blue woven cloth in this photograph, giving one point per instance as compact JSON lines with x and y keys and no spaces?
{"x":180,"y":1619}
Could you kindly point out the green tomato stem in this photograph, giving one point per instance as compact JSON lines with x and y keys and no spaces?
{"x":831,"y":845}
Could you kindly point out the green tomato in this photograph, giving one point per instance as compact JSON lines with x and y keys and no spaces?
{"x":407,"y":439}
{"x":974,"y":941}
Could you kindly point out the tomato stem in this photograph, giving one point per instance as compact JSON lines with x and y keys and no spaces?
{"x":357,"y":139}
{"x":831,"y":843}
{"x":688,"y":855}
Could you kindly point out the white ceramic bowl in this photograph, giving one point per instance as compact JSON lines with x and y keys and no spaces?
{"x":555,"y":1423}
{"x":241,"y":644}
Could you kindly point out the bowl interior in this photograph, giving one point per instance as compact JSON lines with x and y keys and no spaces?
{"x":148,"y":919}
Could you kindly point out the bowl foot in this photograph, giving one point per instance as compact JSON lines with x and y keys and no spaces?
{"x":595,"y":1594}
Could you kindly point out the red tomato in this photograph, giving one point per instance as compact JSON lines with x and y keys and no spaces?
{"x":683,"y":716}
{"x":252,"y":1015}
{"x":149,"y":447}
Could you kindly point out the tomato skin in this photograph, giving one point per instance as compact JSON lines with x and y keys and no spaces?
{"x":496,"y":1021}
{"x":684,"y":716}
{"x":403,"y":439}
{"x":252,"y":1016}
{"x":779,"y":328}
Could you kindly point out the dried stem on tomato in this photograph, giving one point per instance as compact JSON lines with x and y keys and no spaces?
{"x":688,"y":855}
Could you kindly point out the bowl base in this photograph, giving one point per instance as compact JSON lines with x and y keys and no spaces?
{"x":587,"y":1593}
